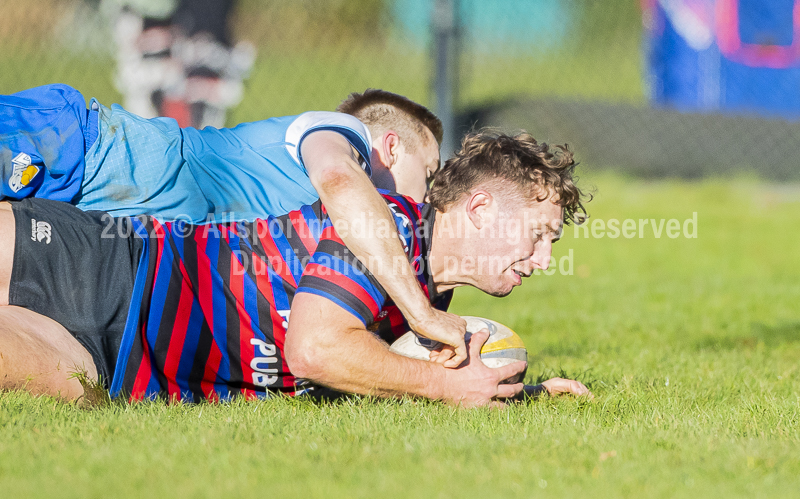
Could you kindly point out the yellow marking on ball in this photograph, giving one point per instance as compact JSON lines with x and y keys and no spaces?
{"x":512,"y":341}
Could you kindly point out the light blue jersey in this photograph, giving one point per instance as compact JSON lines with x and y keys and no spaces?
{"x":153,"y":166}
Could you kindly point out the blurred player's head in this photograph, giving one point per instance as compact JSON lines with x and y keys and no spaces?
{"x":405,"y":139}
{"x":506,"y":199}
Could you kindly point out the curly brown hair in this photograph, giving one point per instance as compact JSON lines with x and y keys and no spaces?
{"x":381,"y":111}
{"x":487,"y":156}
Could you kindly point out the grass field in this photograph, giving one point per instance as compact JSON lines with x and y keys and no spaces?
{"x":691,"y":346}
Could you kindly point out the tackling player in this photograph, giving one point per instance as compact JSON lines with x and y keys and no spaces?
{"x":108,"y":159}
{"x":202,"y":312}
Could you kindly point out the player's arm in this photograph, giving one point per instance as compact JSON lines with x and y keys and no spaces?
{"x":350,"y":197}
{"x":330,"y":346}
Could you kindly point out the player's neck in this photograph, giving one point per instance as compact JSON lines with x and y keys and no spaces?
{"x":382,"y":177}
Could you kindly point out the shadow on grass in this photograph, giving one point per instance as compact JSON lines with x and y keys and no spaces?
{"x":771,"y":336}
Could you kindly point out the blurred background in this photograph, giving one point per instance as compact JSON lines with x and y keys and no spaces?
{"x":664,"y":88}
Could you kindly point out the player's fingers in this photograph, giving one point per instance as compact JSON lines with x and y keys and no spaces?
{"x":459,"y":355}
{"x":508,"y":391}
{"x":476,"y":343}
{"x":443,"y":355}
{"x":577,"y":388}
{"x":580,"y":389}
{"x":554,"y":386}
{"x":510,"y":370}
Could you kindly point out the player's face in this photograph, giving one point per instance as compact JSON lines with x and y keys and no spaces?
{"x":412,"y":170}
{"x":521,"y":243}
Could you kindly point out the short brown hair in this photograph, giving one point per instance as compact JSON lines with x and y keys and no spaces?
{"x":486,"y":156}
{"x":381,"y":111}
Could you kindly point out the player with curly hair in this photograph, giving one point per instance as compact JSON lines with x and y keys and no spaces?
{"x":193,"y":312}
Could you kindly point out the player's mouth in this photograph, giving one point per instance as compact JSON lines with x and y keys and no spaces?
{"x":519,"y":269}
{"x":517,"y":275}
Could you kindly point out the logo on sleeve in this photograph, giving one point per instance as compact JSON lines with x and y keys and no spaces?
{"x":23,"y":172}
{"x":40,"y":231}
{"x":404,"y":227}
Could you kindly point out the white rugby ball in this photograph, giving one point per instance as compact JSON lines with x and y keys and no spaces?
{"x":503,"y":347}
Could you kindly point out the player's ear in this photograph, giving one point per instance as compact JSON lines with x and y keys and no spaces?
{"x":391,"y":148}
{"x":479,"y":207}
{"x":385,"y":149}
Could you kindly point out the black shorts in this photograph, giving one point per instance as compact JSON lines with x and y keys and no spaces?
{"x":78,"y":269}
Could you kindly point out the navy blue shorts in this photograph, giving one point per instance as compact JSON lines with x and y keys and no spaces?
{"x":77,"y":268}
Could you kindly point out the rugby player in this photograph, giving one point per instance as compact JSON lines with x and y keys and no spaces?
{"x":202,"y":312}
{"x":108,"y":159}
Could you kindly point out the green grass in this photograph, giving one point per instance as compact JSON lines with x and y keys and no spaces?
{"x":690,"y":345}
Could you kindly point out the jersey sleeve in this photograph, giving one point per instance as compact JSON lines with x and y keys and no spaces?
{"x":335,"y":273}
{"x":44,"y":135}
{"x":356,"y":133}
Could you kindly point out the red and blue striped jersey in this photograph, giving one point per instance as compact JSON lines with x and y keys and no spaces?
{"x":211,"y":302}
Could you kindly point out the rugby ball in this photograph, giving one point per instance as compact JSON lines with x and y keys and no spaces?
{"x":503,"y":347}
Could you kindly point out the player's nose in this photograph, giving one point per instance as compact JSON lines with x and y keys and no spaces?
{"x":540,"y":259}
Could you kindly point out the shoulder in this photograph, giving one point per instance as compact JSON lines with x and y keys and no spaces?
{"x":356,"y":132}
{"x":326,"y":120}
{"x":410,"y":219}
{"x":403,"y":205}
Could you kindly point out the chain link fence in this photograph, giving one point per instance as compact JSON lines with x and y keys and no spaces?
{"x":578,"y":71}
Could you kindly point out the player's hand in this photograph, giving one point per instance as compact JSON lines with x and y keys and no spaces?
{"x":448,"y":329}
{"x":474,"y":385}
{"x":558,"y":386}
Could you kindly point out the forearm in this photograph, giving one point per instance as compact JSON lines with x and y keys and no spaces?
{"x":330,"y":347}
{"x":349,"y":358}
{"x":374,"y":370}
{"x":368,"y":229}
{"x":366,"y":226}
